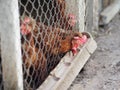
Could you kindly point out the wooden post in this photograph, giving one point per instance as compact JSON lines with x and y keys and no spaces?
{"x":10,"y":45}
{"x":89,"y":15}
{"x":81,"y":14}
{"x":97,"y":8}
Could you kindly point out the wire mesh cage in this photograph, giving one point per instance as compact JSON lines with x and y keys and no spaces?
{"x":46,"y":34}
{"x":38,"y":37}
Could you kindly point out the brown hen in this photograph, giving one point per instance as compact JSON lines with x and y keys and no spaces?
{"x":34,"y":60}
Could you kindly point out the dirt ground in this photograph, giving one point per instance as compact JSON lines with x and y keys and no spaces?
{"x":102,"y":71}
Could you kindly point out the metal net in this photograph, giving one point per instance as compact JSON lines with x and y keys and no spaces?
{"x":46,"y":33}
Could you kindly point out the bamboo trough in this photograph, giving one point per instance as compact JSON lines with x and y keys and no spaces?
{"x":69,"y":67}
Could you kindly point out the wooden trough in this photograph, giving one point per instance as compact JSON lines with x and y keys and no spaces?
{"x":69,"y":67}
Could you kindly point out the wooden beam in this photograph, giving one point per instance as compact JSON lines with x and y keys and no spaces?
{"x":108,"y":13}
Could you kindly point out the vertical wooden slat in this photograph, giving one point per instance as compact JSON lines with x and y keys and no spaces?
{"x":10,"y":45}
{"x":89,"y":15}
{"x":81,"y":14}
{"x":97,"y":8}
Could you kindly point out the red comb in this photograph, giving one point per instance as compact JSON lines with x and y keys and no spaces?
{"x":71,"y":15}
{"x":26,"y":19}
{"x":23,"y":27}
{"x":78,"y":41}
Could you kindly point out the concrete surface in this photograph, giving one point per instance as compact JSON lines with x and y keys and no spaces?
{"x":102,"y":71}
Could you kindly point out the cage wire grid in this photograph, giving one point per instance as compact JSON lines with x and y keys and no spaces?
{"x":47,"y":40}
{"x":45,"y":34}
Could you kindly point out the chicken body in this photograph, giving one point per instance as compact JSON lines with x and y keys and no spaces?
{"x":54,"y":40}
{"x":41,"y":44}
{"x":34,"y":61}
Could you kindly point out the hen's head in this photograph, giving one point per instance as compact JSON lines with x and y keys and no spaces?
{"x":78,"y":41}
{"x":72,"y":19}
{"x":27,"y":25}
